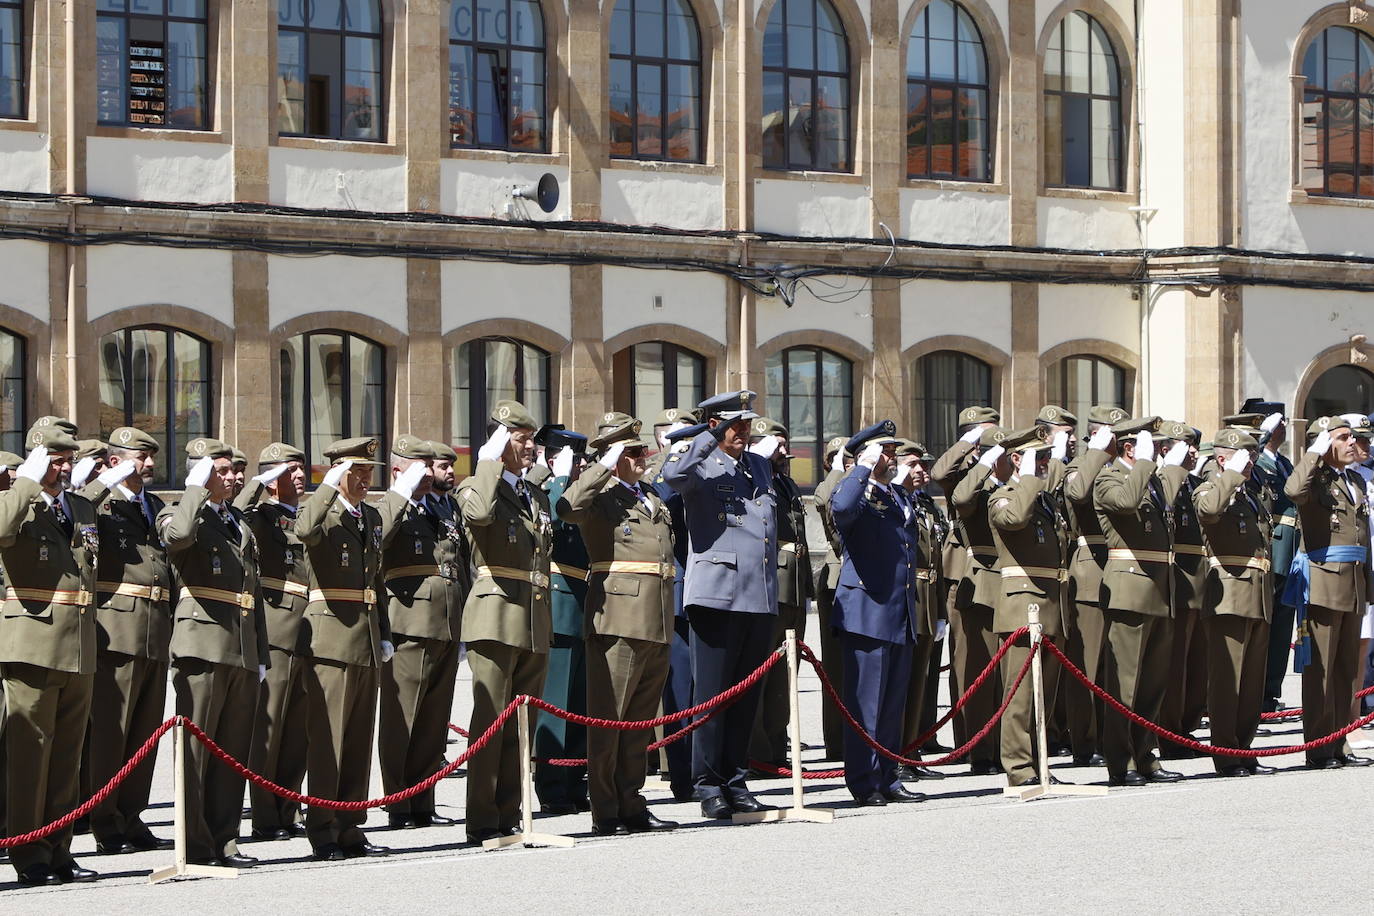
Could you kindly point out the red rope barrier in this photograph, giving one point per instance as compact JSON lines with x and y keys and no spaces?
{"x":973,"y":688}
{"x":1286,"y":715}
{"x":1209,"y":749}
{"x":665,"y":741}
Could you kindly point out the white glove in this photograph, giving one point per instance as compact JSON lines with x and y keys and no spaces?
{"x":903,"y":472}
{"x":388,"y":649}
{"x":612,"y":456}
{"x":837,"y":463}
{"x":989,"y":458}
{"x":271,"y":473}
{"x":35,"y":466}
{"x":112,"y":477}
{"x":262,"y":673}
{"x":562,"y":463}
{"x":1029,"y":459}
{"x":870,"y":455}
{"x":1177,"y":454}
{"x":766,"y":447}
{"x":1271,"y":422}
{"x":1144,"y":446}
{"x":1102,"y":438}
{"x":1320,"y":445}
{"x":972,"y":436}
{"x":495,"y":447}
{"x":1059,"y":449}
{"x":337,"y":472}
{"x":200,"y":472}
{"x":1238,"y":462}
{"x":82,"y":472}
{"x":405,"y":483}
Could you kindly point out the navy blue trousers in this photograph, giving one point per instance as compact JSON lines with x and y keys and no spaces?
{"x":726,"y":648}
{"x":876,"y":673}
{"x":677,"y":696}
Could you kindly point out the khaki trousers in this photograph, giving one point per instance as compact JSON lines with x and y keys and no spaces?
{"x":1328,"y":681}
{"x":280,"y":741}
{"x":341,"y":700}
{"x":1237,"y":653}
{"x":974,"y":646}
{"x":499,"y":674}
{"x":222,"y":700}
{"x":625,"y":680}
{"x":412,"y":731}
{"x":127,"y":702}
{"x":1136,"y":672}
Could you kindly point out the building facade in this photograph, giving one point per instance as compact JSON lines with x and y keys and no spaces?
{"x":295,"y":219}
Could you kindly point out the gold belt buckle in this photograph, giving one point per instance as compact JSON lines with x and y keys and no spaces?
{"x":369,"y":596}
{"x":244,"y":600}
{"x":84,"y":597}
{"x":539,"y":579}
{"x":154,"y":593}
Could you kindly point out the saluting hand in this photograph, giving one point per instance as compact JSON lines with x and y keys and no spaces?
{"x":271,"y":473}
{"x":1101,"y":439}
{"x":837,"y":463}
{"x":1322,"y":444}
{"x":1271,"y":422}
{"x":1059,"y":448}
{"x":972,"y":435}
{"x":903,"y":472}
{"x":82,"y":472}
{"x":1177,"y":454}
{"x":1144,"y":446}
{"x":199,"y":474}
{"x":1030,"y":459}
{"x":870,"y":455}
{"x":612,"y":456}
{"x":337,"y":472}
{"x":989,"y":457}
{"x":495,"y":447}
{"x":562,"y":463}
{"x":405,"y":483}
{"x":114,"y":475}
{"x":766,"y":447}
{"x":1239,"y":461}
{"x":35,"y":466}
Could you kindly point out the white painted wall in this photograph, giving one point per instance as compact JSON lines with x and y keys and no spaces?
{"x":162,"y":170}
{"x":693,"y":299}
{"x":24,"y":269}
{"x":474,"y":187}
{"x":1088,"y":312}
{"x":655,"y":197}
{"x":934,"y":308}
{"x":1163,"y":367}
{"x":1163,"y":78}
{"x":955,"y":217}
{"x":1285,"y":329}
{"x":812,"y":208}
{"x":850,"y":312}
{"x":24,"y":156}
{"x":336,"y":180}
{"x":478,"y":290}
{"x":122,"y":276}
{"x":375,"y":287}
{"x":1086,"y":224}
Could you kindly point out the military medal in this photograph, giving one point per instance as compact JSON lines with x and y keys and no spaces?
{"x":625,"y":529}
{"x":1335,"y":521}
{"x":216,"y":567}
{"x":290,"y":558}
{"x":343,"y":557}
{"x":1039,"y":535}
{"x":510,"y":533}
{"x":43,"y":552}
{"x":1149,"y":526}
{"x":419,"y":547}
{"x":1240,"y":525}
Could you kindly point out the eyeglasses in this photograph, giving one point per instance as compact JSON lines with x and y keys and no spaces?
{"x":635,"y":451}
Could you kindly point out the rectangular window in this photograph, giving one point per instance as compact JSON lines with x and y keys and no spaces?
{"x":12,"y":70}
{"x":12,"y":394}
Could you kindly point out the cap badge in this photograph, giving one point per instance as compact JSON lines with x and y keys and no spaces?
{"x":671,"y":413}
{"x":199,"y":447}
{"x":998,"y":436}
{"x":36,"y":438}
{"x":1116,"y":414}
{"x":970,"y":413}
{"x":1052,"y":413}
{"x":125,"y":435}
{"x":274,"y":452}
{"x":608,"y":418}
{"x":45,"y":421}
{"x":371,"y":447}
{"x":503,"y":413}
{"x":1323,"y":423}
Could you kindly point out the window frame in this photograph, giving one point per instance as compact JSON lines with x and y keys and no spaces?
{"x":818,"y":353}
{"x":383,"y":65}
{"x":812,"y":74}
{"x":1122,"y":100}
{"x":164,"y":19}
{"x":1360,"y":372}
{"x":936,"y":439}
{"x":954,"y":86}
{"x":663,"y":63}
{"x":23,"y":61}
{"x":1324,"y":96}
{"x":671,"y":351}
{"x":345,"y":397}
{"x":1094,"y":396}
{"x":21,"y":403}
{"x":506,"y":48}
{"x":476,"y":394}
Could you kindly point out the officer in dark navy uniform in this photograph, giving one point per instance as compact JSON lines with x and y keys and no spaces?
{"x":730,"y":590}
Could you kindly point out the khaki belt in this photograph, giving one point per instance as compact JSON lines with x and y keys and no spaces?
{"x":150,"y":592}
{"x":925,"y":575}
{"x":639,"y":567}
{"x":1259,"y":563}
{"x":1189,"y":550}
{"x":987,"y":553}
{"x":1290,"y":520}
{"x":75,"y":598}
{"x":361,"y":595}
{"x":1140,"y":556}
{"x":405,"y":572}
{"x":286,"y":585}
{"x":238,"y":599}
{"x":532,"y":576}
{"x":568,"y":572}
{"x":1092,"y":540}
{"x":1034,"y":572}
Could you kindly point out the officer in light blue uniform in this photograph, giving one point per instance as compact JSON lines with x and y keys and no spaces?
{"x":875,"y":610}
{"x":730,"y":589}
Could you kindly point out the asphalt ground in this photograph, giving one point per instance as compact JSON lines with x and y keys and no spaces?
{"x":1297,"y":841}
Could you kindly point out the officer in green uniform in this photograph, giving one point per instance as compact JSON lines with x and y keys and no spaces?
{"x":350,"y":640}
{"x":90,"y":462}
{"x":1272,"y":468}
{"x":269,"y":504}
{"x":507,"y":621}
{"x":1059,"y":428}
{"x":828,"y":574}
{"x":48,"y":547}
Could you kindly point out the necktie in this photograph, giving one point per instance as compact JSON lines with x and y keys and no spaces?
{"x":228,"y":518}
{"x":142,"y":503}
{"x":523,"y":492}
{"x":61,"y":516}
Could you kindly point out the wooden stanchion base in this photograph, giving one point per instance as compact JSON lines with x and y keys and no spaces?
{"x":805,"y":815}
{"x":1031,"y":793}
{"x":187,"y":870}
{"x":528,"y":840}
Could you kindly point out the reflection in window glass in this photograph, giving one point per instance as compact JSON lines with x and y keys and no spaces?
{"x":1088,"y":381}
{"x":496,"y":75}
{"x":151,"y":63}
{"x":329,"y":69}
{"x":1083,"y":107}
{"x":655,"y":81}
{"x":947,"y":96}
{"x":811,"y":392}
{"x":1337,"y":132}
{"x":13,"y":393}
{"x":651,"y":377}
{"x":806,"y":88}
{"x":488,"y":370}
{"x":948,"y":381}
{"x":12,"y":72}
{"x":333,"y":386}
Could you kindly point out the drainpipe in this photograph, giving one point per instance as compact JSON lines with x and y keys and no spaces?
{"x":72,"y":188}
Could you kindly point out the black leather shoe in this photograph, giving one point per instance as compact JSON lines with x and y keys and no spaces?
{"x":558,"y":809}
{"x":1060,"y":750}
{"x":583,"y":805}
{"x":1354,"y":760}
{"x":906,"y":773}
{"x":1260,"y":769}
{"x":144,"y":842}
{"x":748,"y":804}
{"x":610,"y":826}
{"x":276,"y":833}
{"x":873,"y":800}
{"x":1035,"y":781}
{"x":716,"y":807}
{"x":1089,"y":760}
{"x":238,"y":860}
{"x":1177,"y":752}
{"x":297,"y":830}
{"x":364,"y":850}
{"x":930,"y":747}
{"x":922,"y":773}
{"x":682,"y":795}
{"x":432,"y":820}
{"x":1129,"y":778}
{"x":1163,"y":775}
{"x":38,"y":875}
{"x":986,"y":768}
{"x":645,"y":822}
{"x":73,"y":873}
{"x":400,"y":821}
{"x":478,"y":837}
{"x":113,"y":846}
{"x":903,"y":794}
{"x":1326,"y":763}
{"x":1235,"y":770}
{"x":329,"y":852}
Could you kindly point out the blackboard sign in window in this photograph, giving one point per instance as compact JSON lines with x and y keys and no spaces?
{"x":147,"y":83}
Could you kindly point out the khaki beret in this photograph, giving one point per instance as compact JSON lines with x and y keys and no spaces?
{"x":1174,"y":429}
{"x":993,"y":435}
{"x":767,"y":426}
{"x":1326,"y":424}
{"x":970,"y":415}
{"x":616,"y":427}
{"x":209,"y":448}
{"x":513,"y":415}
{"x":237,"y":457}
{"x":61,"y":423}
{"x":359,"y":450}
{"x":10,"y":460}
{"x":134,"y":439}
{"x":408,"y":446}
{"x":1244,"y":420}
{"x":1107,"y":416}
{"x":280,"y":453}
{"x":1234,"y":438}
{"x":835,"y":444}
{"x":443,"y":452}
{"x":1023,"y":440}
{"x":909,"y":447}
{"x":1055,"y":415}
{"x":90,"y":448}
{"x":672,"y":415}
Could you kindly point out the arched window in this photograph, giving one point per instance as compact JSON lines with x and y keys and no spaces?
{"x":806,"y":88}
{"x":13,"y":386}
{"x":811,"y":392}
{"x":329,"y":69}
{"x":13,"y":74}
{"x":496,"y":79}
{"x":947,"y":382}
{"x":158,"y":380}
{"x":655,"y":87}
{"x":1082,"y":107}
{"x":651,"y":377}
{"x":947,"y":112}
{"x":1338,"y":114}
{"x":1085,"y":381}
{"x":150,"y":65}
{"x":333,"y":386}
{"x":1341,"y":389}
{"x":488,"y":370}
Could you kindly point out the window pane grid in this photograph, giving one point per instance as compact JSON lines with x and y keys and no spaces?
{"x":1337,"y":131}
{"x":1083,"y":107}
{"x":811,"y":392}
{"x":13,"y":385}
{"x":950,"y":381}
{"x":488,"y":370}
{"x":333,"y":386}
{"x":947,"y":93}
{"x":497,"y":95}
{"x":655,"y":81}
{"x":329,"y":69}
{"x":163,"y":84}
{"x":13,"y":72}
{"x":806,"y":121}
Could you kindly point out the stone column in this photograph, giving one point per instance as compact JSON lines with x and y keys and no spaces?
{"x":1022,"y":113}
{"x":248,"y":33}
{"x":425,"y":45}
{"x":250,"y":416}
{"x":586,"y":374}
{"x":422,"y":413}
{"x":585,"y":103}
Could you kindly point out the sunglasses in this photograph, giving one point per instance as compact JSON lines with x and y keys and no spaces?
{"x":635,"y":451}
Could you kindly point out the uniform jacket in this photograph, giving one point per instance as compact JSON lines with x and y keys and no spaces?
{"x":981,"y":585}
{"x":1190,"y":566}
{"x":424,"y":592}
{"x":207,"y":553}
{"x":931,"y":529}
{"x":39,"y":555}
{"x":949,"y":471}
{"x":1237,"y":532}
{"x":569,"y":566}
{"x":732,"y":530}
{"x":1089,"y":547}
{"x":829,"y":572}
{"x":617,"y":527}
{"x":131,"y":554}
{"x":502,"y":534}
{"x":1133,"y":508}
{"x":876,"y":594}
{"x":1032,"y":555}
{"x":345,"y":553}
{"x":672,"y":501}
{"x":1274,"y":470}
{"x":794,"y":560}
{"x":1331,"y":511}
{"x":281,"y":559}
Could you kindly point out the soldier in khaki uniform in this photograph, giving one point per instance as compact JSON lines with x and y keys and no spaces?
{"x":629,"y":619}
{"x":424,"y":595}
{"x":838,"y":462}
{"x":8,"y":462}
{"x":1237,"y":597}
{"x":350,"y":639}
{"x":133,"y":633}
{"x":90,"y":462}
{"x":507,"y":621}
{"x":1031,"y":536}
{"x":269,"y":505}
{"x":219,"y":646}
{"x":48,"y":546}
{"x":1329,"y":583}
{"x":1134,"y":509}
